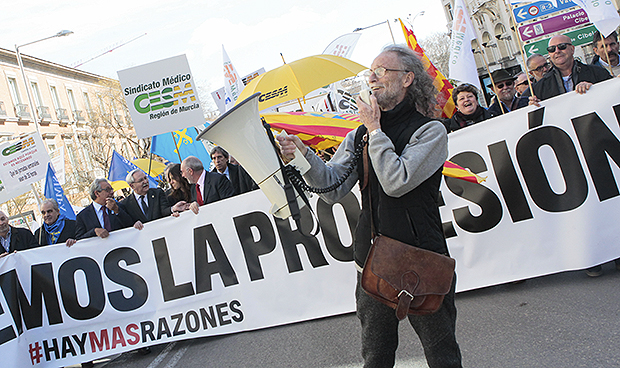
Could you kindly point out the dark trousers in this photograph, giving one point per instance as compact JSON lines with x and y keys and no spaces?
{"x":380,"y":332}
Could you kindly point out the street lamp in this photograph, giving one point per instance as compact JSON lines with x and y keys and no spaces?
{"x":21,"y":67}
{"x":413,"y":19}
{"x":374,"y":25}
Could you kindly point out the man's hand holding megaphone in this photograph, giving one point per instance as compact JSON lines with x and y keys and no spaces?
{"x":288,"y":145}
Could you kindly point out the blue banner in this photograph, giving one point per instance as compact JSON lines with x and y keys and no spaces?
{"x":53,"y":190}
{"x":183,"y":144}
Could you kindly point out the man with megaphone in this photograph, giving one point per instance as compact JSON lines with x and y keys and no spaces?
{"x":406,"y":151}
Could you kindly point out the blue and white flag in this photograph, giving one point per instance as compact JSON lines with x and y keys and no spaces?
{"x":53,"y":190}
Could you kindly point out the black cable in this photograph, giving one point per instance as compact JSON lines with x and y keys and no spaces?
{"x":298,"y":181}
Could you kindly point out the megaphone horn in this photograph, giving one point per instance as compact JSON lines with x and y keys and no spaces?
{"x":242,"y":134}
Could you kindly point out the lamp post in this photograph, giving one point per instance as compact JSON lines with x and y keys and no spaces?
{"x":21,"y":67}
{"x":374,"y":25}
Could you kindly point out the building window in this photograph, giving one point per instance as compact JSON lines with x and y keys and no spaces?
{"x":89,"y":107}
{"x":71,"y":100}
{"x":55,"y":99}
{"x":37,"y":93}
{"x":14,"y":91}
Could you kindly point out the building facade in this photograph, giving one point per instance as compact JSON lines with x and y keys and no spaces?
{"x":79,"y":114}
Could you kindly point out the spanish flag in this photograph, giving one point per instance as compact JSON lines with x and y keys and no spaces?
{"x":444,"y":87}
{"x":453,"y":170}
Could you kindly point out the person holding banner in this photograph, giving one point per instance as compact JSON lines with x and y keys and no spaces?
{"x":505,"y":93}
{"x":56,"y":228}
{"x":103,"y":215}
{"x":469,"y":112}
{"x":147,"y":204}
{"x":567,"y":74}
{"x":407,"y":151}
{"x":207,"y":187}
{"x":14,"y":238}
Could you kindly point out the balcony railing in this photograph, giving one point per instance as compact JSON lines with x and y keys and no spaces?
{"x":63,"y":118}
{"x":44,"y":113}
{"x":78,"y":115}
{"x":22,"y":111}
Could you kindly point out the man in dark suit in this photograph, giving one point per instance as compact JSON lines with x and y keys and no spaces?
{"x":102,"y":215}
{"x":146,"y":204}
{"x":241,"y":181}
{"x":56,"y":228}
{"x":14,"y":238}
{"x":207,"y":187}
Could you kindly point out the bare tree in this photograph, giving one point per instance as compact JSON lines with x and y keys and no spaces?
{"x":436,"y":48}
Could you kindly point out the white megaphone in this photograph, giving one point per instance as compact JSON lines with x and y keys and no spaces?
{"x":242,"y":134}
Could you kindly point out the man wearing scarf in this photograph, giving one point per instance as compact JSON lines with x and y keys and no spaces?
{"x":56,"y":228}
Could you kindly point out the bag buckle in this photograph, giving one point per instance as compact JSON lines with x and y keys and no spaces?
{"x":403,"y":304}
{"x":406,"y":292}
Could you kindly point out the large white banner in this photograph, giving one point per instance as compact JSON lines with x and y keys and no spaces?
{"x":22,"y":162}
{"x":550,"y":204}
{"x":161,"y":96}
{"x":231,"y":268}
{"x":551,"y":201}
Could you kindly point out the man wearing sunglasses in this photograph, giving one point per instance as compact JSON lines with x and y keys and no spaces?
{"x":504,"y":89}
{"x":567,"y":74}
{"x":538,"y":66}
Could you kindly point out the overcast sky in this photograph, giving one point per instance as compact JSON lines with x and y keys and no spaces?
{"x":254,"y":33}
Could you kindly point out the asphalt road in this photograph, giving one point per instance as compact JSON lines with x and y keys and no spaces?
{"x":562,"y":320}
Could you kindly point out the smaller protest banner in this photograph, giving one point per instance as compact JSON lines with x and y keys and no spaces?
{"x":161,"y":96}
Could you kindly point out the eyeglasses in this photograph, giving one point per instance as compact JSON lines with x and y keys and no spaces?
{"x":522,"y":83}
{"x":48,"y":211}
{"x":107,"y":189}
{"x":501,"y":85}
{"x":541,"y":68}
{"x":560,"y":46}
{"x":380,"y":71}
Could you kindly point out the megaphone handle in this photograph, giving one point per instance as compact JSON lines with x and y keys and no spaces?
{"x":289,"y":190}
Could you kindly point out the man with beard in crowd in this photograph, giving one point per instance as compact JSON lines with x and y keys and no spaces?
{"x":406,"y":151}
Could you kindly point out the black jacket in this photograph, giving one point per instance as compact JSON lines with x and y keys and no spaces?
{"x":87,"y":221}
{"x":215,"y":187}
{"x":155,"y":199}
{"x":412,"y":218}
{"x":517,"y":103}
{"x":21,"y":239}
{"x":551,"y":84}
{"x":68,"y":232}
{"x":241,"y":181}
{"x":460,"y":120}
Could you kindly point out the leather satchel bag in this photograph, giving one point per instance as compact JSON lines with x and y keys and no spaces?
{"x":406,"y":278}
{"x":409,"y":279}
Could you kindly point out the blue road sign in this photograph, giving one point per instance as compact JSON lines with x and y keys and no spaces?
{"x":539,"y":8}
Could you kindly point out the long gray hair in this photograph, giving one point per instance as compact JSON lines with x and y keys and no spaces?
{"x":421,"y":92}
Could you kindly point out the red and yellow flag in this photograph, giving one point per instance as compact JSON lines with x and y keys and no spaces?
{"x":444,"y":87}
{"x":455,"y":171}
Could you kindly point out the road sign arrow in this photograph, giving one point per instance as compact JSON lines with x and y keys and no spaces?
{"x":532,"y":50}
{"x":521,"y":14}
{"x":528,"y":32}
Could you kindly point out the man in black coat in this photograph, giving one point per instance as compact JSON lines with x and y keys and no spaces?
{"x":14,"y":238}
{"x":146,"y":204}
{"x":241,"y":181}
{"x":212,"y":187}
{"x":56,"y":228}
{"x":102,"y":215}
{"x":567,"y":74}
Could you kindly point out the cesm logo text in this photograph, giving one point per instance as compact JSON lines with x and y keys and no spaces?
{"x":151,"y":97}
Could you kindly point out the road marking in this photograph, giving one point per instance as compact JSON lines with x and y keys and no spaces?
{"x":177,"y":356}
{"x":162,"y":355}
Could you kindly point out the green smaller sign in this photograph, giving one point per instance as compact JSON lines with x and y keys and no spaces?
{"x":578,"y":37}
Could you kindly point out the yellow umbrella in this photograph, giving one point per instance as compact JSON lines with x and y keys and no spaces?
{"x":297,"y":79}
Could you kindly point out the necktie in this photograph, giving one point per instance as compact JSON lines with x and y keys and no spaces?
{"x":145,"y":207}
{"x":106,"y":219}
{"x":198,"y":195}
